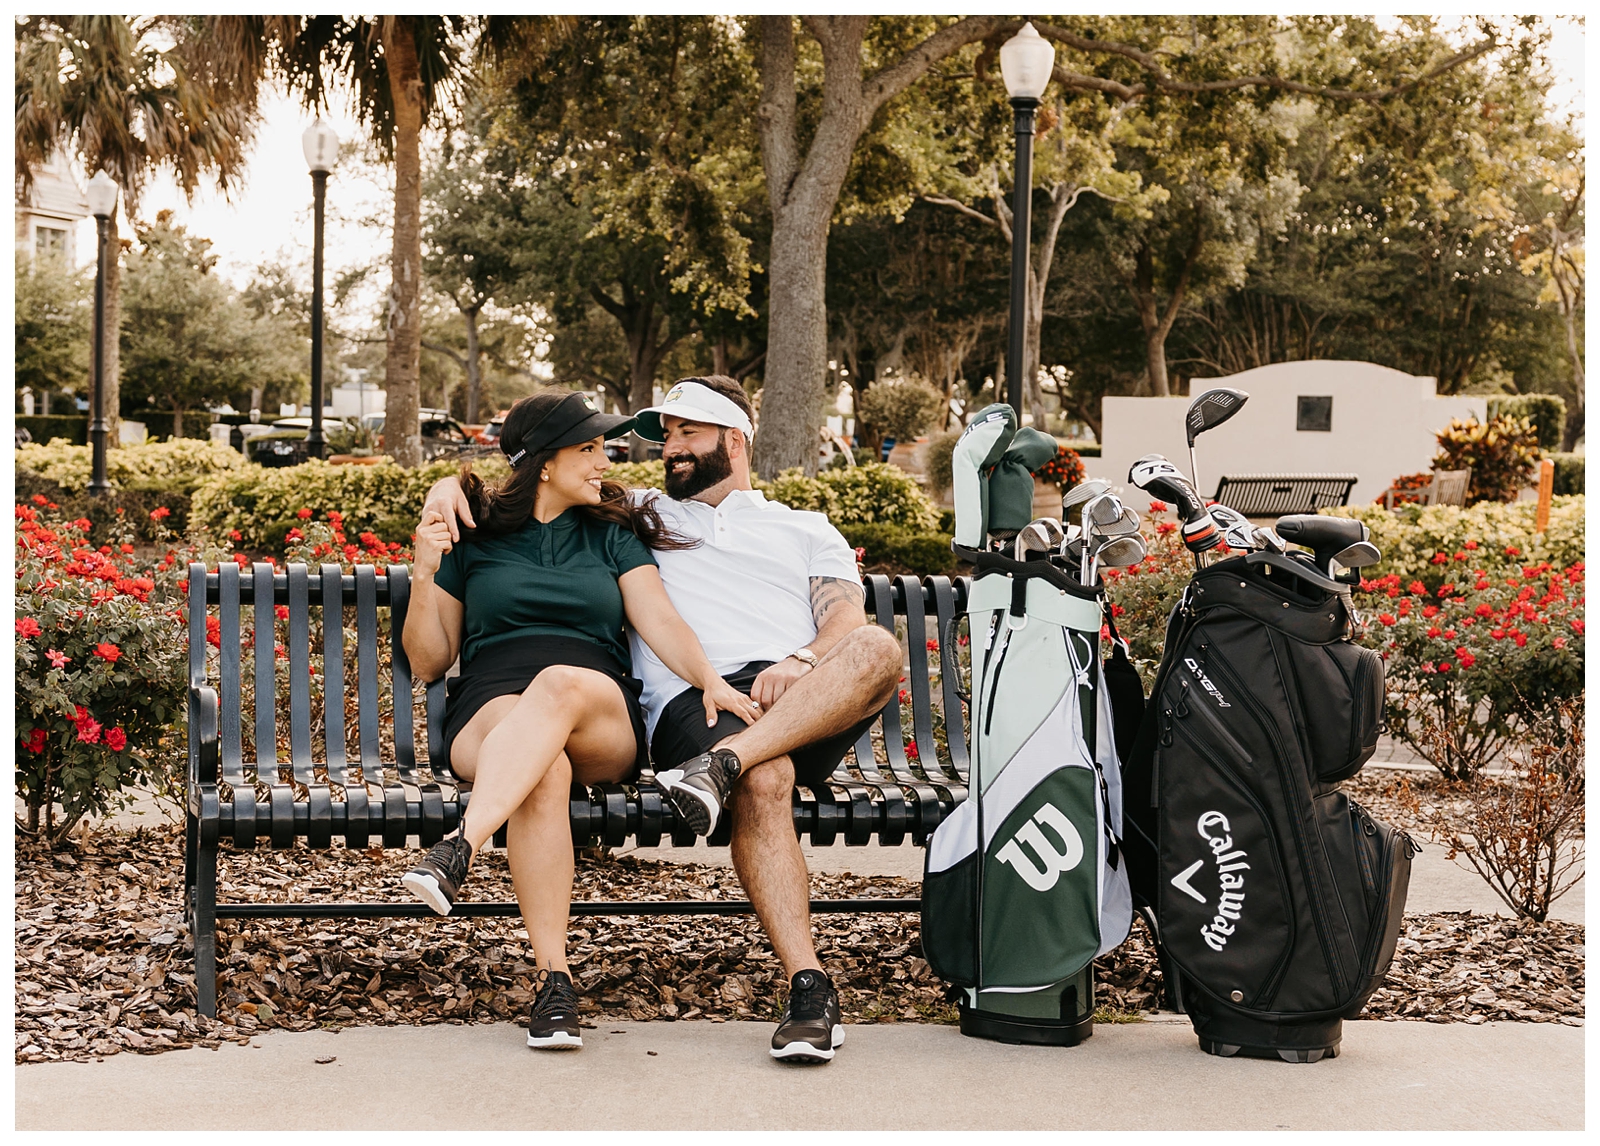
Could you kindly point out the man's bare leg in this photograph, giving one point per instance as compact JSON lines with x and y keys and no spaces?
{"x":855,"y":679}
{"x":769,"y":863}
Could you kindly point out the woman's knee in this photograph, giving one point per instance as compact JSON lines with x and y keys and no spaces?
{"x":564,"y":686}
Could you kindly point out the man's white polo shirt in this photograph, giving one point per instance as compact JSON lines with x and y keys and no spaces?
{"x":745,"y":590}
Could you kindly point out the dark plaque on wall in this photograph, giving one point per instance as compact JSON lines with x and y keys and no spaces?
{"x":1314,"y":413}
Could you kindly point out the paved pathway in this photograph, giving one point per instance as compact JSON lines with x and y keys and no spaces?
{"x":708,"y":1076}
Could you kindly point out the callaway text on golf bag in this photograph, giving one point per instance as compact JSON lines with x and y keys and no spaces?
{"x":1024,"y":884}
{"x":1278,"y":899}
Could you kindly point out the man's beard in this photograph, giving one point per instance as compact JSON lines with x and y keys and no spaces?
{"x":702,"y":472}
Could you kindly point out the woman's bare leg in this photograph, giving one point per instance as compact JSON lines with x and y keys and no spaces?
{"x":539,"y":853}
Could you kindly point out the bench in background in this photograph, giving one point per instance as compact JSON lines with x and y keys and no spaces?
{"x":314,"y":790}
{"x":1273,"y":495}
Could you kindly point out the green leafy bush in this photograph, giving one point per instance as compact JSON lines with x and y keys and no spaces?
{"x":868,"y":494}
{"x":936,"y":459}
{"x":1569,"y":473}
{"x":1474,"y":663}
{"x":255,"y":501}
{"x":181,"y":464}
{"x":1547,"y":412}
{"x":921,"y":553}
{"x":100,"y":672}
{"x":640,"y":475}
{"x":1501,"y":454}
{"x":70,"y":428}
{"x":901,"y":408}
{"x":129,"y":506}
{"x":1432,"y":544}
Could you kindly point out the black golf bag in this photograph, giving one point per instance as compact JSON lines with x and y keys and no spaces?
{"x":1278,"y":899}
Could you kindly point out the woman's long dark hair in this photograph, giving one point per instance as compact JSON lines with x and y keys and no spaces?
{"x":503,"y":509}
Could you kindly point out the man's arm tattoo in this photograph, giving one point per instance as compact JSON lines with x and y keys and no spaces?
{"x":828,"y":593}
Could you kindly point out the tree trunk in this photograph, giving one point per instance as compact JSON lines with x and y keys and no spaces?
{"x":1157,"y":323}
{"x":474,"y":365}
{"x":402,"y":431}
{"x":112,"y":394}
{"x":177,"y":421}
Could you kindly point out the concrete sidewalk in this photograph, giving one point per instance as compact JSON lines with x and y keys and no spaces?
{"x":709,"y":1076}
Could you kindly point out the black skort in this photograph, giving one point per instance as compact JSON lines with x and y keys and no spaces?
{"x":508,"y":668}
{"x":682,"y":733}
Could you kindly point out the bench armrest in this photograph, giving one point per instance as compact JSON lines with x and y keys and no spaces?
{"x":205,"y":738}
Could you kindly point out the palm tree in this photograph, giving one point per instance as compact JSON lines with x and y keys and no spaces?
{"x":126,"y":95}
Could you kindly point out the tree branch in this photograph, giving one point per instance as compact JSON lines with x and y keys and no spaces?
{"x":776,"y":111}
{"x":446,"y":351}
{"x":889,"y":82}
{"x":944,"y":201}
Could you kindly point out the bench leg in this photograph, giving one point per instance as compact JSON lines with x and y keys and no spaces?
{"x":191,"y":844}
{"x":204,"y":928}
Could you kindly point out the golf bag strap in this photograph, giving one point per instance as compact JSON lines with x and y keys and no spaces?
{"x":1119,"y":646}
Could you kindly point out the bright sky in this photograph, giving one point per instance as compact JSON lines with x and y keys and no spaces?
{"x":272,"y":216}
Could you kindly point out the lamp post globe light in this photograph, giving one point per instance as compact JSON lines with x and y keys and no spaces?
{"x":321,"y":147}
{"x":102,"y":195}
{"x":1026,"y":62}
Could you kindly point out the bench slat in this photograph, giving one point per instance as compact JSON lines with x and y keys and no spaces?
{"x":367,"y":671}
{"x":266,"y":682}
{"x":948,"y":611}
{"x":230,"y":675}
{"x":333,"y":674}
{"x":300,"y":674}
{"x":405,"y":753}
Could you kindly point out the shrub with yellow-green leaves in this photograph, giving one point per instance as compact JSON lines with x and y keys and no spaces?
{"x":869,"y":494}
{"x":182,"y":463}
{"x":1432,"y":543}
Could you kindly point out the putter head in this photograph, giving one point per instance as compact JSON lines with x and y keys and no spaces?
{"x":1211,"y":409}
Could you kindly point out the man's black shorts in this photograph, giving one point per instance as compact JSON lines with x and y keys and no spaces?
{"x":682,"y":733}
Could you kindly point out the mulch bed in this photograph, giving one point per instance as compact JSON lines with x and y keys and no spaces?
{"x":104,"y":960}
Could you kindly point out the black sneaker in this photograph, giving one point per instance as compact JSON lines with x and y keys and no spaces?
{"x":699,"y":789}
{"x":438,"y":878}
{"x":553,"y":1025}
{"x":811,"y":1026}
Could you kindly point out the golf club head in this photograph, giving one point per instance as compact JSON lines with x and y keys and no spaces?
{"x":1082,"y":492}
{"x":1155,"y":474}
{"x":1359,"y":555}
{"x":1103,"y":511}
{"x":1211,"y":409}
{"x":1236,"y":528}
{"x":1041,"y":536}
{"x":1267,"y":538}
{"x":1119,"y":552}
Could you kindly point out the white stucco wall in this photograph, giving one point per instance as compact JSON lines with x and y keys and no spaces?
{"x":1384,"y":422}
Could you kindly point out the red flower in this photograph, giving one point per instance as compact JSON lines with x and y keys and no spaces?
{"x":1158,"y":507}
{"x":235,"y":535}
{"x":336,"y":518}
{"x":1497,"y":634}
{"x":1434,"y":631}
{"x":1439,"y":558}
{"x":1165,"y":527}
{"x":1521,"y":639}
{"x":1481,"y":585}
{"x":905,"y":696}
{"x":1460,"y":556}
{"x":1577,"y":627}
{"x":1117,"y":610}
{"x":58,"y":659}
{"x":107,"y":652}
{"x":88,"y":727}
{"x":1417,"y":588}
{"x":116,"y":740}
{"x":303,"y":514}
{"x":1449,"y":634}
{"x":1430,"y":611}
{"x":159,"y":512}
{"x":36,"y":741}
{"x":281,"y":612}
{"x":214,"y":631}
{"x":1484,"y":610}
{"x":1445,"y":666}
{"x":933,"y":646}
{"x":40,"y":499}
{"x":28,"y":628}
{"x":911,"y":750}
{"x":294,"y":535}
{"x":1560,"y":642}
{"x":1513,"y":551}
{"x":1386,"y":618}
{"x":1470,"y":545}
{"x":1446,"y":590}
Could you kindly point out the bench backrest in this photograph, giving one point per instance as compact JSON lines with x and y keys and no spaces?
{"x":1273,"y":495}
{"x":254,"y":640}
{"x":1449,"y":487}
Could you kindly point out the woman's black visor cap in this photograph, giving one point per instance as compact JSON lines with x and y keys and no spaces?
{"x":575,"y":419}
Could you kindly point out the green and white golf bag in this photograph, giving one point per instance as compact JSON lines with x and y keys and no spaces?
{"x":1024,"y":884}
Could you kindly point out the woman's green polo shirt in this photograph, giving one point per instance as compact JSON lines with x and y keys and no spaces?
{"x":557,"y":578}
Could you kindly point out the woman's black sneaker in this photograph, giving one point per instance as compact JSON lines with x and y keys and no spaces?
{"x":811,"y":1026}
{"x":438,"y":878}
{"x":699,"y":788}
{"x":553,"y":1025}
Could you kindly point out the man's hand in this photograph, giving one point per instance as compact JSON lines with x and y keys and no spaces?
{"x":774,"y":681}
{"x":446,"y":498}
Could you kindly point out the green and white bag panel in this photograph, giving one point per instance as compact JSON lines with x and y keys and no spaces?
{"x":1051,"y":811}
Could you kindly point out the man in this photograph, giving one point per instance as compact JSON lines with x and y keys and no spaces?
{"x":774,"y":597}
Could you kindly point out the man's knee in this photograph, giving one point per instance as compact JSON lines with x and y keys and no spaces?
{"x":767,"y":784}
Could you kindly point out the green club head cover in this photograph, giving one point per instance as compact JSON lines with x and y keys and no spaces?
{"x":1011,"y":484}
{"x":980,"y":446}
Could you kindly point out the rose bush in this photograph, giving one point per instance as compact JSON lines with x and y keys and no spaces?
{"x":1474,"y":663}
{"x":100,"y":671}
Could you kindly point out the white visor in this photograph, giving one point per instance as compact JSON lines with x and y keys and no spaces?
{"x":693,"y":402}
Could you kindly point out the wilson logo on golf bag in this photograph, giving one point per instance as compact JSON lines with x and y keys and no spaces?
{"x":1205,"y":682}
{"x":1052,"y":863}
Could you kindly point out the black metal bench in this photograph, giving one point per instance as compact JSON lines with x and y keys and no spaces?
{"x":1274,"y":495}
{"x":291,"y":792}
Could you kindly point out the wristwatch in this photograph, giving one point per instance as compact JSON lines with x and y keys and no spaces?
{"x":805,"y":657}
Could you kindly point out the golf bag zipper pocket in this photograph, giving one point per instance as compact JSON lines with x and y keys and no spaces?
{"x":994,"y":684}
{"x":1385,"y":854}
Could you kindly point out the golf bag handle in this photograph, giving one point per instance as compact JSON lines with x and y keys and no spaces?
{"x":1308,"y":575}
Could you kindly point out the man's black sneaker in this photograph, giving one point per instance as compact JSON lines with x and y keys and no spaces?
{"x":811,"y":1026}
{"x":438,"y":878}
{"x":553,"y":1025}
{"x":699,"y":789}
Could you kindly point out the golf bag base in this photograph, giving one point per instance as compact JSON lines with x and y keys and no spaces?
{"x":1226,"y":1033}
{"x":1075,"y":1024}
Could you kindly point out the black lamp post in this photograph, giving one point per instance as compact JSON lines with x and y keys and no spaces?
{"x":321,"y":147}
{"x":102,"y":194}
{"x":1026,"y":61}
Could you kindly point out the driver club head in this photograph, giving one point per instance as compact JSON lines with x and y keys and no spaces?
{"x":1211,"y":409}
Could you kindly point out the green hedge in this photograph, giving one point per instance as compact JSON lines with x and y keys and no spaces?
{"x":158,"y":423}
{"x":920,"y":553}
{"x":135,"y":501}
{"x":1547,"y":412}
{"x":73,"y":427}
{"x":1569,"y":474}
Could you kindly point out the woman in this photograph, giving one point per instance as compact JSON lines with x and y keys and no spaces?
{"x":534,"y":602}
